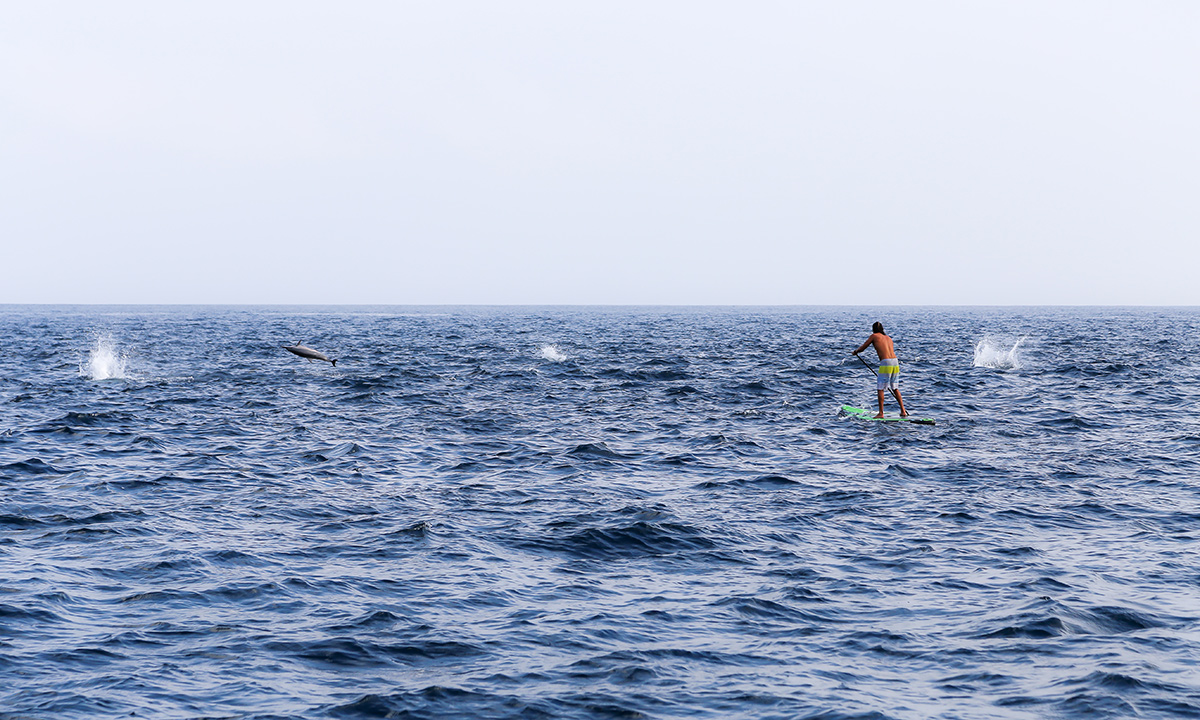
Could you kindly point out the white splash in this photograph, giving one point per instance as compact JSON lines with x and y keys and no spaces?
{"x":552,"y":353}
{"x":994,"y":353}
{"x":105,"y":362}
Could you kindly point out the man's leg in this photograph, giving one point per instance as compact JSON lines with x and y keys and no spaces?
{"x":896,"y":392}
{"x":880,"y":403}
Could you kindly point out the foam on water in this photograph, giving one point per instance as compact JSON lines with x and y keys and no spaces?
{"x":552,"y":353}
{"x":994,"y":353}
{"x":105,"y":362}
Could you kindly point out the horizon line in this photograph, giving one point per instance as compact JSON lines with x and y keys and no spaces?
{"x":596,"y":305}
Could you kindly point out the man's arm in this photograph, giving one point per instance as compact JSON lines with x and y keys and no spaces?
{"x":864,"y":345}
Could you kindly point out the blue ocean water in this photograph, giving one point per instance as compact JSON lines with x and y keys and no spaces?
{"x":597,"y":513}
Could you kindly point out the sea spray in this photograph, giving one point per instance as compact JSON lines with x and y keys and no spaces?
{"x":552,"y":353}
{"x":994,"y":353}
{"x":104,"y":361}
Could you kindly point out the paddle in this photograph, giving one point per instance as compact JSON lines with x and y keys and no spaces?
{"x":864,"y":362}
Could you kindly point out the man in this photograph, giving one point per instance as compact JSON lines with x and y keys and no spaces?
{"x":889,"y":367}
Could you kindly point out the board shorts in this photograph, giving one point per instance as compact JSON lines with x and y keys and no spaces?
{"x":888,"y":376}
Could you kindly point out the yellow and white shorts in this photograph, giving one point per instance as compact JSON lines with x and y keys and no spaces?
{"x":889,"y":374}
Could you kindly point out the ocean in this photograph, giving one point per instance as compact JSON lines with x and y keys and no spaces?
{"x":595,"y":512}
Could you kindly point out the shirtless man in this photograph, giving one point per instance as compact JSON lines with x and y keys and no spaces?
{"x":889,"y":366}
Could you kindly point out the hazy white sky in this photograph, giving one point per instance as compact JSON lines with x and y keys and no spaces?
{"x":669,"y":152}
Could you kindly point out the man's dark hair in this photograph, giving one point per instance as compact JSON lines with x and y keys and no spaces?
{"x":878,"y":327}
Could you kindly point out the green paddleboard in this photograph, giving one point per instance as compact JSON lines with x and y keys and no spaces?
{"x":868,"y":415}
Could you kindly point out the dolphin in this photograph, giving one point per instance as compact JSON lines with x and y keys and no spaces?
{"x":307,"y":352}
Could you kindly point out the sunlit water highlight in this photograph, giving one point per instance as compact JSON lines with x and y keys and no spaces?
{"x":666,"y":520}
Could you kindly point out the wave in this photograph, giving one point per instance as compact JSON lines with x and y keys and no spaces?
{"x":623,"y":540}
{"x":32,"y":466}
{"x":105,"y":362}
{"x":994,"y":353}
{"x":598,"y":449}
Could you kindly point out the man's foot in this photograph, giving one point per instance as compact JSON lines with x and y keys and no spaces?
{"x":903,"y":413}
{"x":879,"y":416}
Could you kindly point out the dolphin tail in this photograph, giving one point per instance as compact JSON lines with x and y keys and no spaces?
{"x":333,"y":363}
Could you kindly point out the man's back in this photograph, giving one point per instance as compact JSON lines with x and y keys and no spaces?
{"x":883,"y":346}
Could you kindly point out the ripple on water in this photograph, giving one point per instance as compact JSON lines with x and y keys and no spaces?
{"x":581,"y":513}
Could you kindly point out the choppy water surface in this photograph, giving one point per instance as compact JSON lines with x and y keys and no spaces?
{"x":592,"y":513}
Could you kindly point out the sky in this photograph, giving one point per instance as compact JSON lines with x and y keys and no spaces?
{"x":669,"y":152}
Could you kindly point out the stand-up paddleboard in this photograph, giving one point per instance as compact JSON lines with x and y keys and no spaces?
{"x":868,"y":415}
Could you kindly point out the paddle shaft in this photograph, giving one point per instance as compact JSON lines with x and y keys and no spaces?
{"x":868,"y":365}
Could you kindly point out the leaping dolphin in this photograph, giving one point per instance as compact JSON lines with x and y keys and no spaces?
{"x":307,"y":352}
